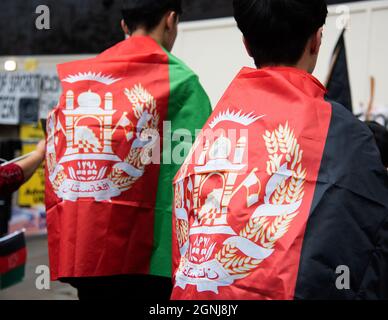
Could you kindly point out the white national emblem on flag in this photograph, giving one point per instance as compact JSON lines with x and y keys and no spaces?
{"x":90,"y":167}
{"x":206,"y":263}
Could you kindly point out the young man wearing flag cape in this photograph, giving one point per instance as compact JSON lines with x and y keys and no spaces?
{"x":284,"y":195}
{"x":109,"y":187}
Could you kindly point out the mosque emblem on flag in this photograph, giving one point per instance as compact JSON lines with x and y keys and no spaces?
{"x":213,"y":252}
{"x":90,"y":167}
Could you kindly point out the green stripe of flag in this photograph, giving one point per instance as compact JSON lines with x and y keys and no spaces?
{"x":12,"y":277}
{"x":189,"y":108}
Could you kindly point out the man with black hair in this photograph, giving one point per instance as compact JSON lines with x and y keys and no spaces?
{"x":156,"y":19}
{"x":109,"y":190}
{"x":289,"y":199}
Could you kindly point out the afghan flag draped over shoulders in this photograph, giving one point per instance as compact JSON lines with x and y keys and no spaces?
{"x":280,"y":189}
{"x":108,"y":197}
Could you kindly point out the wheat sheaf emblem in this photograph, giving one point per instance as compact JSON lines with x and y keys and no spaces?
{"x":142,"y":103}
{"x":51,"y":158}
{"x":282,"y":147}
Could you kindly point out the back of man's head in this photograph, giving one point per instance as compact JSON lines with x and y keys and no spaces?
{"x":277,"y":31}
{"x":147,"y":13}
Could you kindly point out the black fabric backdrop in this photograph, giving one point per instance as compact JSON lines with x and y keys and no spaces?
{"x":87,"y":26}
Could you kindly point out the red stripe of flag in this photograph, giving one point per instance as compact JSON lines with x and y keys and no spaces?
{"x":13,"y":261}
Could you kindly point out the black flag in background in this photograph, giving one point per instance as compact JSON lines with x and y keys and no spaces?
{"x":338,"y":84}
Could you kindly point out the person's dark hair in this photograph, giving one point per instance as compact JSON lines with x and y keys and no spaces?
{"x":147,"y":13}
{"x":277,"y":31}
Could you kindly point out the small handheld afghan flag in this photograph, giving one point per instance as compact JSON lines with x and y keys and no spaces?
{"x":13,"y":255}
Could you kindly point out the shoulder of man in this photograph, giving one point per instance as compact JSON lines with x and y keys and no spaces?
{"x":179,"y":69}
{"x":185,"y":85}
{"x":183,"y":77}
{"x":348,"y":213}
{"x":348,"y":137}
{"x":352,"y":161}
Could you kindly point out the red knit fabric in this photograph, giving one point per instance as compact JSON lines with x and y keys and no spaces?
{"x":11,"y":178}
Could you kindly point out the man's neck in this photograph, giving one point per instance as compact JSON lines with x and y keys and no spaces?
{"x":305,"y":66}
{"x":143,"y":33}
{"x":299,"y":65}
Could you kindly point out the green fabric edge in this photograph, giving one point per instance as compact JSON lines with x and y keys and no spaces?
{"x":189,"y":107}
